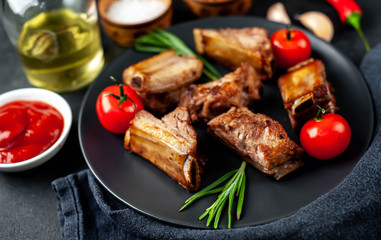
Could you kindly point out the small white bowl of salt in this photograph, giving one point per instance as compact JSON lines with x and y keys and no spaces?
{"x":125,"y":20}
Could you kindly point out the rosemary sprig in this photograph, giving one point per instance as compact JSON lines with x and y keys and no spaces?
{"x":234,"y":187}
{"x":160,"y":40}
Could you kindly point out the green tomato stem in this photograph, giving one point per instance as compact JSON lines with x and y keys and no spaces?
{"x":288,"y":35}
{"x":122,"y":97}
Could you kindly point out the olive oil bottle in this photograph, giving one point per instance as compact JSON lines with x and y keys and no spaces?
{"x":61,"y":50}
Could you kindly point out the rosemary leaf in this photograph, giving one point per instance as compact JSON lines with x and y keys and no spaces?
{"x":219,"y":204}
{"x":241,"y":197}
{"x":189,"y":201}
{"x":208,"y":74}
{"x":162,"y":39}
{"x":211,"y":213}
{"x":149,"y":49}
{"x":231,"y":182}
{"x":239,"y":185}
{"x":231,"y":199}
{"x":218,"y":215}
{"x":205,"y":213}
{"x":176,"y":41}
{"x":151,"y":39}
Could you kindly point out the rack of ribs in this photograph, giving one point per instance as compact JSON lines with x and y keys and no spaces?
{"x":260,"y":140}
{"x":239,"y":88}
{"x":170,"y":143}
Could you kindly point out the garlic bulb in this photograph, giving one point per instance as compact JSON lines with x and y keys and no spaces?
{"x":277,"y":13}
{"x":318,"y":23}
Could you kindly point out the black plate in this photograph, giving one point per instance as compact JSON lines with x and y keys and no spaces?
{"x":142,"y":186}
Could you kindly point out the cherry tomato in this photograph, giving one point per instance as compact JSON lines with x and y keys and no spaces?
{"x":116,"y":106}
{"x":325,"y":138}
{"x":290,"y":46}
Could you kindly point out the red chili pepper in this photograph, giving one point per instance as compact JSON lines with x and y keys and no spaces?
{"x":350,"y":13}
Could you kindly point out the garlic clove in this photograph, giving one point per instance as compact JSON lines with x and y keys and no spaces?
{"x":318,"y":23}
{"x":277,"y":13}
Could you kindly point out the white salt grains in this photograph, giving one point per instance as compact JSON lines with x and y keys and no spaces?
{"x":135,"y":11}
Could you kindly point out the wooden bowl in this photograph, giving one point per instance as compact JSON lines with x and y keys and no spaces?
{"x":126,"y":34}
{"x":213,"y":8}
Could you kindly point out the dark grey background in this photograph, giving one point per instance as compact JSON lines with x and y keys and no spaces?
{"x":27,"y":201}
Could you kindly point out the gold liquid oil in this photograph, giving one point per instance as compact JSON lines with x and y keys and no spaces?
{"x":61,"y":50}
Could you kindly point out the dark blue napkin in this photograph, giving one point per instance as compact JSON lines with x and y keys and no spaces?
{"x":350,"y":211}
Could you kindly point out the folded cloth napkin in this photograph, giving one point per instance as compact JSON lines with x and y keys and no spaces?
{"x":352,"y":210}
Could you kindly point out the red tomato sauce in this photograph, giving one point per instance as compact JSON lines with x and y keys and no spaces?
{"x":27,"y":128}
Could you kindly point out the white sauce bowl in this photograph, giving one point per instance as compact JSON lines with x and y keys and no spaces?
{"x":51,"y":98}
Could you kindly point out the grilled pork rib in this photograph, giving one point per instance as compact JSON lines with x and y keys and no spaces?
{"x":260,"y":140}
{"x":169,"y":143}
{"x":205,"y":101}
{"x":231,"y":47}
{"x":303,"y":88}
{"x":159,"y":79}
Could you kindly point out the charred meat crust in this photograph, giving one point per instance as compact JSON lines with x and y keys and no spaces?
{"x":169,"y":143}
{"x":231,"y":47}
{"x":260,"y":140}
{"x":205,"y":101}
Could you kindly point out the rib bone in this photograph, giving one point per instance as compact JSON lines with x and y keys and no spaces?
{"x":169,"y":143}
